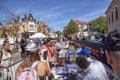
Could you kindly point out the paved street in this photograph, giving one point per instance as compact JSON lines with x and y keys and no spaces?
{"x":16,"y":57}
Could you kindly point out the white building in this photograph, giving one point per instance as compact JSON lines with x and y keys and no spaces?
{"x":83,"y":27}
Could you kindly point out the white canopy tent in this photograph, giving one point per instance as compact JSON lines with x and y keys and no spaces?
{"x":38,"y":35}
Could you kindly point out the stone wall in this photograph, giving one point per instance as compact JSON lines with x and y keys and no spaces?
{"x":116,"y":23}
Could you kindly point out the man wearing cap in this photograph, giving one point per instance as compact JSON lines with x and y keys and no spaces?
{"x":77,"y":48}
{"x":82,"y":51}
{"x":112,"y":43}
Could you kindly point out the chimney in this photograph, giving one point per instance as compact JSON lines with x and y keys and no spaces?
{"x":18,"y":18}
{"x":25,"y":16}
{"x":30,"y":16}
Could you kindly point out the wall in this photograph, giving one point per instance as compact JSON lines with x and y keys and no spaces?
{"x":116,"y":23}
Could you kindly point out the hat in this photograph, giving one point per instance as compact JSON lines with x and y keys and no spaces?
{"x":85,"y":52}
{"x":112,"y":39}
{"x":32,"y":47}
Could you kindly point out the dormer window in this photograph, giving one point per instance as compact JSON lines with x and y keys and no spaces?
{"x":116,"y":12}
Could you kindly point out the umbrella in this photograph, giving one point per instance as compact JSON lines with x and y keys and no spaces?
{"x":38,"y":35}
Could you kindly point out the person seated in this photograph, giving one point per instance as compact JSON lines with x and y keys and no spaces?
{"x":94,"y":70}
{"x":31,"y":56}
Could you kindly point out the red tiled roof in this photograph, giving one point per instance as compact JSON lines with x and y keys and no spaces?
{"x":79,"y":22}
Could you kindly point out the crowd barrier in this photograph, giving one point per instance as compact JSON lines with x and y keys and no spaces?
{"x":12,"y":69}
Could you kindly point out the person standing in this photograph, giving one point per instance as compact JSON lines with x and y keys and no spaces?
{"x":32,"y":56}
{"x":23,"y":43}
{"x":51,"y":52}
{"x":112,"y":45}
{"x":5,"y":60}
{"x":58,"y":45}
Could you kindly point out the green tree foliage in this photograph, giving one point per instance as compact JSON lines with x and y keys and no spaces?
{"x":71,"y":28}
{"x":100,"y":23}
{"x":2,"y":35}
{"x":59,"y":33}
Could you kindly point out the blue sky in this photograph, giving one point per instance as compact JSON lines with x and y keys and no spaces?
{"x":56,"y":13}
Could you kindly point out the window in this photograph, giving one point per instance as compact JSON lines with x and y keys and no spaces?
{"x":31,"y":27}
{"x":112,"y":17}
{"x":116,"y":12}
{"x":23,"y":27}
{"x":109,"y":20}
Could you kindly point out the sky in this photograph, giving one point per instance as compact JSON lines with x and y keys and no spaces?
{"x":56,"y":13}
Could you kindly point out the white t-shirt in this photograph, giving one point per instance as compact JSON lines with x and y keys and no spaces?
{"x":6,"y":59}
{"x":96,"y":71}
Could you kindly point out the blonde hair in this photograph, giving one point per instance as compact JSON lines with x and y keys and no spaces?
{"x":29,"y":59}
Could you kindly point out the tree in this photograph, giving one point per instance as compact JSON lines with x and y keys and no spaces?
{"x":12,"y":24}
{"x":71,"y":28}
{"x":2,"y":35}
{"x":39,"y":28}
{"x":99,"y":23}
{"x":10,"y":16}
{"x":59,"y":33}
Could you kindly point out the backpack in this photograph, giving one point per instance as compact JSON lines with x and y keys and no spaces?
{"x":29,"y":73}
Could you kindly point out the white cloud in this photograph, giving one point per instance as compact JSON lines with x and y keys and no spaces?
{"x":19,"y":11}
{"x":92,"y":15}
{"x":48,"y":13}
{"x":58,"y":25}
{"x":59,"y":22}
{"x":54,"y":11}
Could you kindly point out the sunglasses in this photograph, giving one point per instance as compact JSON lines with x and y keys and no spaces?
{"x":110,"y":44}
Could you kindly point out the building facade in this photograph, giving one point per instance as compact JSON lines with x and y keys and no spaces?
{"x":83,"y":27}
{"x":83,"y":30}
{"x":26,"y":26}
{"x":113,"y":15}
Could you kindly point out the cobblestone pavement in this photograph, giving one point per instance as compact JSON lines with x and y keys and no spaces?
{"x":16,"y":57}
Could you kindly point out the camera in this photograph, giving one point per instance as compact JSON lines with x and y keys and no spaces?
{"x":44,"y":54}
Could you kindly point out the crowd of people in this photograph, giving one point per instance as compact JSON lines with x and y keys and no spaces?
{"x":96,"y":37}
{"x":40,"y":56}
